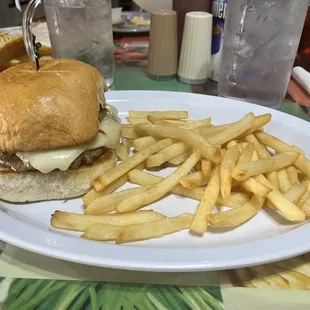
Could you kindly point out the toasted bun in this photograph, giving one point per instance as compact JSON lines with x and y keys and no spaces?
{"x":58,"y":106}
{"x":36,"y":186}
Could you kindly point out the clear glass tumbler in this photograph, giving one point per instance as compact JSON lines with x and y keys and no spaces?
{"x":78,"y":29}
{"x":261,"y":38}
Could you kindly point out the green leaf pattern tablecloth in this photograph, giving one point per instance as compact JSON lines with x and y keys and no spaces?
{"x":29,"y":281}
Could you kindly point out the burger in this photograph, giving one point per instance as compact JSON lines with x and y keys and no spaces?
{"x":57,"y":133}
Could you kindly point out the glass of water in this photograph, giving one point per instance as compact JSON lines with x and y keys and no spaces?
{"x":78,"y":29}
{"x":260,"y":42}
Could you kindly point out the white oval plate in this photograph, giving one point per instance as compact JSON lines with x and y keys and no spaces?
{"x":262,"y":239}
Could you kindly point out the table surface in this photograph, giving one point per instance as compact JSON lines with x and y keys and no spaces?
{"x":31,"y":281}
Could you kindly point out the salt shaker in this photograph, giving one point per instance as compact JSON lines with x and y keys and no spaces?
{"x":195,"y":56}
{"x":163,"y":51}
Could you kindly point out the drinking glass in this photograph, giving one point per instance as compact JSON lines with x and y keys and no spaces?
{"x":260,"y":43}
{"x":78,"y":29}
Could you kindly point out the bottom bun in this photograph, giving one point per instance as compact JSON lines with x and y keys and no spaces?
{"x":37,"y":186}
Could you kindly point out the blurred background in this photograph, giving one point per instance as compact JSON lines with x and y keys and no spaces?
{"x":10,"y":16}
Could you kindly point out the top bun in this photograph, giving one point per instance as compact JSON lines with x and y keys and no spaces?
{"x":58,"y":106}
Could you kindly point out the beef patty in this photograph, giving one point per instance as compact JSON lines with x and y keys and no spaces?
{"x":86,"y":158}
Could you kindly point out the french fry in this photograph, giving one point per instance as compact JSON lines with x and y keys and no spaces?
{"x":283,"y":180}
{"x":228,"y":163}
{"x":272,"y":177}
{"x":102,"y":232}
{"x":232,"y":143}
{"x":110,"y":176}
{"x":245,"y":170}
{"x":92,"y":195}
{"x":192,"y":138}
{"x":206,"y":166}
{"x":235,"y":130}
{"x":140,"y":144}
{"x":295,"y":193}
{"x":302,"y":163}
{"x":254,"y":156}
{"x":135,"y":121}
{"x":235,"y":200}
{"x":160,"y":189}
{"x":297,"y":149}
{"x":155,"y":229}
{"x":209,"y":131}
{"x":254,"y":186}
{"x":194,"y":180}
{"x":262,"y":153}
{"x":237,"y":216}
{"x":166,"y":154}
{"x":159,"y":114}
{"x":187,"y":125}
{"x":304,"y":197}
{"x":207,"y":203}
{"x":128,"y":132}
{"x":305,"y":207}
{"x":260,"y":121}
{"x":289,"y":210}
{"x":81,"y":222}
{"x":260,"y":149}
{"x":108,"y":203}
{"x":292,"y":174}
{"x":180,"y":159}
{"x":306,"y":183}
{"x":246,"y":154}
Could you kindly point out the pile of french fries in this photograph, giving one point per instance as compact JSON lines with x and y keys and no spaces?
{"x":236,"y":165}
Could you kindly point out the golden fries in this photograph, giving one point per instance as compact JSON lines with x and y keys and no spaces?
{"x":237,"y":216}
{"x":110,"y":176}
{"x":289,"y":210}
{"x":246,"y":170}
{"x":160,"y":189}
{"x":192,"y":138}
{"x":254,"y":186}
{"x":283,"y":180}
{"x":207,"y":203}
{"x":180,"y":159}
{"x":246,"y":154}
{"x":92,"y":195}
{"x":135,"y":121}
{"x":235,"y":130}
{"x":236,"y":165}
{"x":206,"y":166}
{"x":102,"y":232}
{"x":141,"y":143}
{"x":228,"y":163}
{"x":295,"y":193}
{"x":159,"y":114}
{"x":292,"y":174}
{"x":155,"y":229}
{"x":80,"y":222}
{"x":108,"y":203}
{"x":166,"y":154}
{"x":193,"y":180}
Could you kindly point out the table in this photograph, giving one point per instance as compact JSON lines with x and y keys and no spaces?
{"x":30,"y":281}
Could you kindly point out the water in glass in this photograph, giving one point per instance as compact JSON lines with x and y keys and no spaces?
{"x":260,"y":43}
{"x":82,"y":30}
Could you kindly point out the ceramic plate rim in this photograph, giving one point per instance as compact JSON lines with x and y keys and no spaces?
{"x":60,"y":246}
